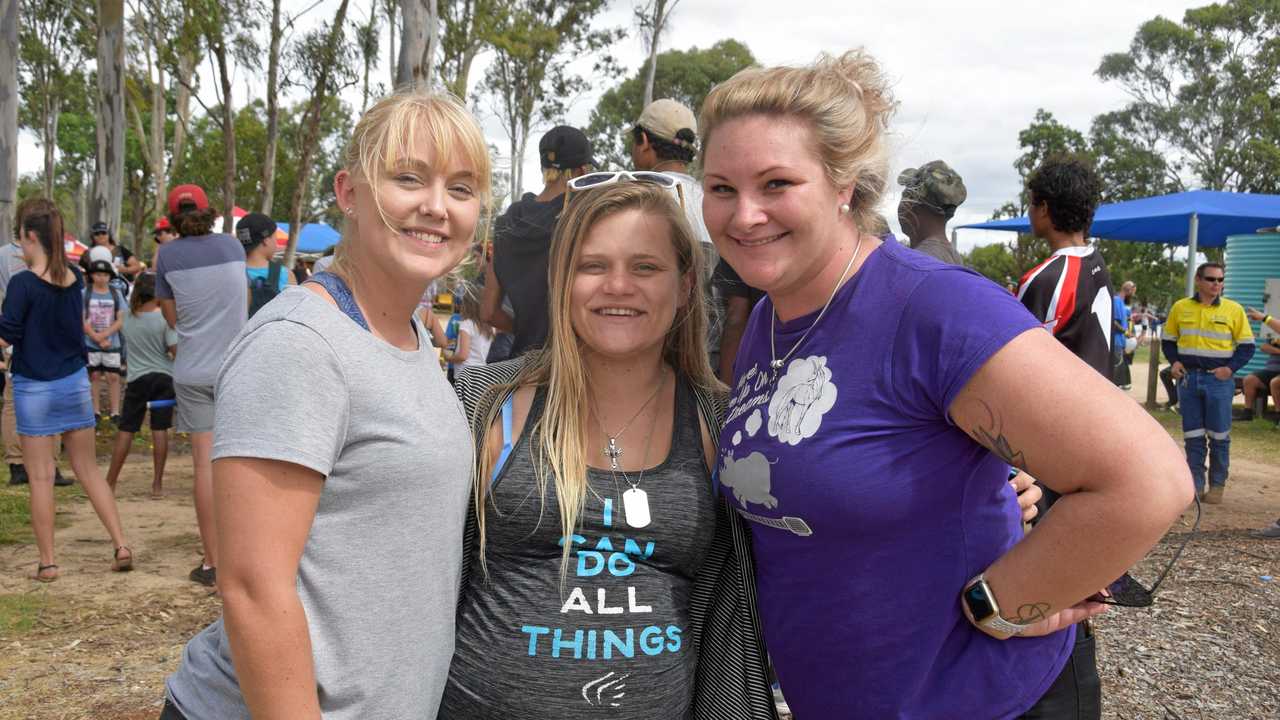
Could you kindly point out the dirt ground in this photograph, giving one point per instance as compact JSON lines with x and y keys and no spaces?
{"x":101,"y":643}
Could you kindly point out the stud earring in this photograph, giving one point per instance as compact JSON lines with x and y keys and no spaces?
{"x":844,"y":208}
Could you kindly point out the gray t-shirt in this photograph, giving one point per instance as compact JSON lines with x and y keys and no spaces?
{"x":204,"y":276}
{"x":149,"y":338}
{"x":11,"y":263}
{"x":379,"y":574}
{"x":612,"y":640}
{"x":939,"y":249}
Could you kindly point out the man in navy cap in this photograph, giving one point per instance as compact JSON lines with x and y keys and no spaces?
{"x":522,"y":244}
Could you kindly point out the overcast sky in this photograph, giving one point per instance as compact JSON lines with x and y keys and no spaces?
{"x":968,"y":76}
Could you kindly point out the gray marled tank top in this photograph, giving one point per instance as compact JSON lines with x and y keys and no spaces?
{"x":611,"y":642}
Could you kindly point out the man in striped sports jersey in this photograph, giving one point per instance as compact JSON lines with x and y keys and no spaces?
{"x":1070,"y":292}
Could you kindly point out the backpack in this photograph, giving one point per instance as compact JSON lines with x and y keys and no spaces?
{"x":261,"y":290}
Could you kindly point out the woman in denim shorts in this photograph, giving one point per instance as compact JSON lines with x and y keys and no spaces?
{"x":41,"y":319}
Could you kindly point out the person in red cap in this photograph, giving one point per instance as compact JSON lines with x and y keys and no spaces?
{"x":164,"y":231}
{"x":200,"y":286}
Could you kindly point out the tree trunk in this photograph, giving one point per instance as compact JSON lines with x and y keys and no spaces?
{"x":517,"y":165}
{"x":655,"y":30}
{"x":108,"y":191}
{"x":8,"y":115}
{"x":83,"y":194}
{"x":53,"y":107}
{"x":182,"y":105}
{"x":158,"y":112}
{"x":273,"y":112}
{"x":433,"y":45}
{"x":139,"y":219}
{"x":368,"y":56}
{"x":413,"y":43}
{"x":391,"y":32}
{"x":311,"y":136}
{"x":228,"y":136}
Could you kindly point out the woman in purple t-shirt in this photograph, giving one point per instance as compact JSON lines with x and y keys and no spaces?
{"x":880,"y":398}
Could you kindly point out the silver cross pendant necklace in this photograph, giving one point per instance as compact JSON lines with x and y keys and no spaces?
{"x":635,"y":502}
{"x":612,"y":449}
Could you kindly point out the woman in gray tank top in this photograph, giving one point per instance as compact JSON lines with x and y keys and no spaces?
{"x":341,"y":455}
{"x":604,"y":577}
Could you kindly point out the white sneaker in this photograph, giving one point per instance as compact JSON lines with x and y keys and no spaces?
{"x":1271,"y":531}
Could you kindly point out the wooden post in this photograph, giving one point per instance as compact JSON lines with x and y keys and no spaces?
{"x":1153,"y":367}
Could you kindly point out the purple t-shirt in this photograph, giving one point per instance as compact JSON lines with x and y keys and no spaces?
{"x":869,"y":509}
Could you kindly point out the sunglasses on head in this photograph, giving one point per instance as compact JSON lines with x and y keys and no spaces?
{"x":1128,"y":592}
{"x":600,"y":179}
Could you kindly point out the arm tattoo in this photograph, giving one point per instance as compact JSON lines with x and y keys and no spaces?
{"x":992,"y":437}
{"x":1032,"y":612}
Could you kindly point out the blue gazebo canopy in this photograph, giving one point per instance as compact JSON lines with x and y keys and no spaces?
{"x":1167,"y":218}
{"x":314,"y":237}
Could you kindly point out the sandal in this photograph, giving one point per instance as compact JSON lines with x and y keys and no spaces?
{"x":124,"y":564}
{"x":40,"y":575}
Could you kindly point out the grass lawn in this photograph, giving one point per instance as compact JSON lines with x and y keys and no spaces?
{"x":1257,"y":440}
{"x":18,"y":612}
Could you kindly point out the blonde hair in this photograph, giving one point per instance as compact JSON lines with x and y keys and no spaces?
{"x":562,"y":428}
{"x":392,"y":129}
{"x":845,"y":100}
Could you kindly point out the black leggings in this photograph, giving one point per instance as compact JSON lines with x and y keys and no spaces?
{"x":1077,"y":693}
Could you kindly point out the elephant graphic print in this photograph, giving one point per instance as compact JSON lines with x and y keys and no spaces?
{"x":796,"y":404}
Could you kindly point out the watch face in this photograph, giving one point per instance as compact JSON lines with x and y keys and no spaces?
{"x":980,"y":602}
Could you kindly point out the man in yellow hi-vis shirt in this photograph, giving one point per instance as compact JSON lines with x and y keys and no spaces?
{"x":1207,"y":339}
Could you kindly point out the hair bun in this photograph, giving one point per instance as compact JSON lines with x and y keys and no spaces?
{"x":866,"y":80}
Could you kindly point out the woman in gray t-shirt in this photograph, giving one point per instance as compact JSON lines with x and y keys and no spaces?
{"x":341,"y":455}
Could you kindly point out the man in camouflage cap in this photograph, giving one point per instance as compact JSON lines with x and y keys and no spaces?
{"x":930,"y":195}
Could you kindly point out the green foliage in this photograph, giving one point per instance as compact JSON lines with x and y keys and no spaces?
{"x":464,"y":29}
{"x":1205,"y":92}
{"x":1160,"y":278}
{"x":54,"y":44}
{"x":529,"y":79}
{"x":683,"y":75}
{"x":1130,"y":166}
{"x":995,"y":262}
{"x":202,"y":161}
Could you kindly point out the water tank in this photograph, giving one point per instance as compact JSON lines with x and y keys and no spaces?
{"x":1253,"y":280}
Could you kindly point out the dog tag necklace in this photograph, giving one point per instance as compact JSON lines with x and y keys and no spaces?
{"x":635,"y":502}
{"x":775,"y":362}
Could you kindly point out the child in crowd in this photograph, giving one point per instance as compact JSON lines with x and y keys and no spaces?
{"x":446,"y":339}
{"x":150,"y":378}
{"x":474,"y":334}
{"x":103,"y":316}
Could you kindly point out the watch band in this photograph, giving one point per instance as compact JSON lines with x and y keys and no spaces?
{"x":999,"y":624}
{"x":993,"y":621}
